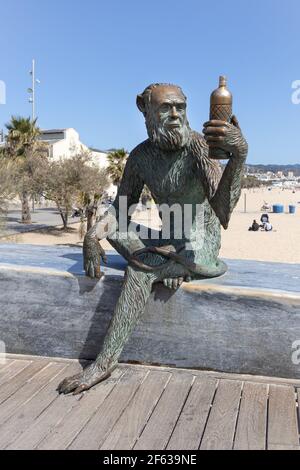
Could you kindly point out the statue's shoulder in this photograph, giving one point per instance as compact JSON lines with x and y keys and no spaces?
{"x":141,"y":149}
{"x":138,"y":155}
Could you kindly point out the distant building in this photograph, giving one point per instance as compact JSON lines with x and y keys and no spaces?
{"x":270,"y":175}
{"x":290,"y":174}
{"x":64,"y":143}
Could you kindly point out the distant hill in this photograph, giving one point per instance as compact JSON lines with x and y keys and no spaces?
{"x":274,"y":168}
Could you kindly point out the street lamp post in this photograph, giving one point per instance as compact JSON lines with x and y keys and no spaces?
{"x":31,"y":90}
{"x":31,"y":100}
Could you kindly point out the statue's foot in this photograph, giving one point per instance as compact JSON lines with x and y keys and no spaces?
{"x":86,"y":379}
{"x":174,"y":283}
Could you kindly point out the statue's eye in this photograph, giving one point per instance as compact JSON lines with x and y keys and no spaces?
{"x":164,"y":108}
{"x":181,"y":107}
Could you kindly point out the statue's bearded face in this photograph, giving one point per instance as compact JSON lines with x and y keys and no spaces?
{"x":166,"y":120}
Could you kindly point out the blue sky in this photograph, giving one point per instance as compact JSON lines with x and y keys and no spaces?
{"x":94,"y":56}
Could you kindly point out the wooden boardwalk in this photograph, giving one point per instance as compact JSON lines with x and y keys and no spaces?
{"x":143,"y":407}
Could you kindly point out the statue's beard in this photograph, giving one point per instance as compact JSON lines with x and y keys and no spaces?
{"x":167,"y":138}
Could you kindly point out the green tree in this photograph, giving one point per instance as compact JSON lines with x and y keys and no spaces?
{"x":29,"y":155}
{"x":75,"y":181}
{"x":6,"y":187}
{"x":117,"y":160}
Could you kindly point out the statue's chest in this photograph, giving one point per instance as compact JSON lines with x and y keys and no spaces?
{"x":172,"y":177}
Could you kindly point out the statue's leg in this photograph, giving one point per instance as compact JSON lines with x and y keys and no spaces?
{"x":134,"y":242}
{"x":130,"y":307}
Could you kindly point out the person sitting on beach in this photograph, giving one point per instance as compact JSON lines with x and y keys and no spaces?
{"x":264,"y":218}
{"x":254,"y":227}
{"x":267,"y":227}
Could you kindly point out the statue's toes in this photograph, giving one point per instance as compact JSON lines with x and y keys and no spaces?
{"x":82,"y":387}
{"x":69,"y":384}
{"x":85,"y":380}
{"x":90,"y":378}
{"x":173,"y":283}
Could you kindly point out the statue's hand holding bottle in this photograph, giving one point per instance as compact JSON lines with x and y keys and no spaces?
{"x":222,"y":132}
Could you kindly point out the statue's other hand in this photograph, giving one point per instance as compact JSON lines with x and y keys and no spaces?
{"x":225,"y":136}
{"x":93,"y":253}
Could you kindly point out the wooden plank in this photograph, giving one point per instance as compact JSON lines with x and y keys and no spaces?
{"x":130,"y":425}
{"x":282,"y":447}
{"x":51,"y":416}
{"x":219,"y":432}
{"x":200,"y":373}
{"x":62,"y":435}
{"x":11,"y":370}
{"x":190,"y":426}
{"x":32,"y":357}
{"x":27,"y":391}
{"x":143,"y":416}
{"x":252,"y":419}
{"x":158,"y":430}
{"x":11,"y":387}
{"x":227,"y":375}
{"x":97,"y":429}
{"x":27,"y":413}
{"x":5,"y":363}
{"x":282,"y":417}
{"x":251,"y":378}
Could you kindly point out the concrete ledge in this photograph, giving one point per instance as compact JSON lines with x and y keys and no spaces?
{"x":244,"y":322}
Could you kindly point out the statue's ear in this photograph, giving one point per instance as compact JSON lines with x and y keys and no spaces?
{"x":140,"y":102}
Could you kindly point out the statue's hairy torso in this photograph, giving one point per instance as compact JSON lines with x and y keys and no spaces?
{"x":183,"y":177}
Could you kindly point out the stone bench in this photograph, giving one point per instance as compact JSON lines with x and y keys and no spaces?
{"x":245,"y":321}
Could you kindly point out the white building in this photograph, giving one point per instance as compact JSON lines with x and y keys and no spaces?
{"x":64,"y":143}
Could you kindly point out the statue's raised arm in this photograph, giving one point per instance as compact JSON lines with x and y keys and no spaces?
{"x":227,"y":138}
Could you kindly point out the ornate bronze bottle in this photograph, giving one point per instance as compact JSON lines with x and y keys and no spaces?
{"x":220,"y":107}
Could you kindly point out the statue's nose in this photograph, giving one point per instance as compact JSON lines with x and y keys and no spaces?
{"x":174,"y":113}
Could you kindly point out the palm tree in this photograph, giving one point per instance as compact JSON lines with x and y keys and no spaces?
{"x":117,"y":160}
{"x":20,"y":145}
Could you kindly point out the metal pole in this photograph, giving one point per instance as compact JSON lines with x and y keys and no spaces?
{"x":33,"y":90}
{"x":245,"y":202}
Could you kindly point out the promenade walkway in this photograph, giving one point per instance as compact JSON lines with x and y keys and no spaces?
{"x":145,"y":407}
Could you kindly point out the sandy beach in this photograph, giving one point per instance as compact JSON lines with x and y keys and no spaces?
{"x":280,"y":245}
